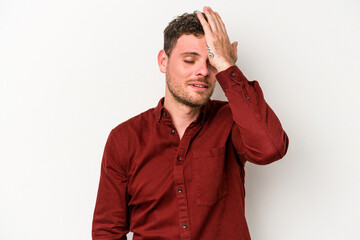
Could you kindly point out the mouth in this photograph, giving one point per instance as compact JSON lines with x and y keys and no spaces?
{"x":199,"y":86}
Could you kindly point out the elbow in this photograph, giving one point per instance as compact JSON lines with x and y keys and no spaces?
{"x":265,"y":157}
{"x":271,"y":153}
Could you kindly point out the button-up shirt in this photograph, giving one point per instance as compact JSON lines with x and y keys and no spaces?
{"x":159,"y":186}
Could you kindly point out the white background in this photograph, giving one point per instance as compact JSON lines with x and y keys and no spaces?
{"x":71,"y":70}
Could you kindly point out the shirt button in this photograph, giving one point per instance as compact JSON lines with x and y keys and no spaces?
{"x":179,"y":159}
{"x":180,"y":190}
{"x":232,"y":74}
{"x":247,"y":98}
{"x":172,"y":131}
{"x":184,"y":226}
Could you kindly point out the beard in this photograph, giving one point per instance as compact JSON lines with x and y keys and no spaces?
{"x":178,"y":91}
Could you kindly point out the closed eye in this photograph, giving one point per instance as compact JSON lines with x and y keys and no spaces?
{"x":189,"y":62}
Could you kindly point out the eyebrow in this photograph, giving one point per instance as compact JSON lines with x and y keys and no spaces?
{"x":190,"y":53}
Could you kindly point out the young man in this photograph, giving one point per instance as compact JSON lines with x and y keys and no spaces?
{"x":177,"y":171}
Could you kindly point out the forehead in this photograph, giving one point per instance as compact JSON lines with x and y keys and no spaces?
{"x":188,"y":43}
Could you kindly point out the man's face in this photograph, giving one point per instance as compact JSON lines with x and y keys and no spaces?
{"x":190,"y":79}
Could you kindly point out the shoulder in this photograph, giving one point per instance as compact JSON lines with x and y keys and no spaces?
{"x":217,"y":104}
{"x":138,"y":123}
{"x":218,"y":112}
{"x":218,"y":107}
{"x":123,"y":139}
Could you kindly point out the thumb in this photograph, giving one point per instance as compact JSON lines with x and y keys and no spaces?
{"x":235,"y":44}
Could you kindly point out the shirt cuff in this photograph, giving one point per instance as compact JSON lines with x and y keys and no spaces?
{"x":229,"y":77}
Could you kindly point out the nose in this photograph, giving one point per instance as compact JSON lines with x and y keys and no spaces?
{"x":203,"y":69}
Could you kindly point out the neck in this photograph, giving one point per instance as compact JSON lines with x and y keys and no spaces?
{"x":181,"y":115}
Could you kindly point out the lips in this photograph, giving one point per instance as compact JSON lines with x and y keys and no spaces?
{"x":199,"y":85}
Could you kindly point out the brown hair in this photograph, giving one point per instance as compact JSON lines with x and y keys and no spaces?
{"x":188,"y":23}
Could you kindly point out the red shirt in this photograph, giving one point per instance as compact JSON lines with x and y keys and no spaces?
{"x":160,"y":187}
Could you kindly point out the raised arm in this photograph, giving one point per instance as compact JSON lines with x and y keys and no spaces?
{"x":257,"y":133}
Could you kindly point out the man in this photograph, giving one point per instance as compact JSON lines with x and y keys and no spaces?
{"x":177,"y":171}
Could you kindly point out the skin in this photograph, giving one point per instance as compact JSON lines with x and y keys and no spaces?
{"x":191,"y":68}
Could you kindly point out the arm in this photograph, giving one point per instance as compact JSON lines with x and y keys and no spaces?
{"x":111,"y":214}
{"x":257,"y":134}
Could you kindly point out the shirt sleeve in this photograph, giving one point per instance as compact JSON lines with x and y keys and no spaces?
{"x":111,"y":220}
{"x":257,"y":133}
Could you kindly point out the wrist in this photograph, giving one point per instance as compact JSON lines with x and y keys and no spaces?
{"x":223,"y":67}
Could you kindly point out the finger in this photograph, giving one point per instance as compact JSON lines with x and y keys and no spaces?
{"x":235,"y":44}
{"x":218,"y":22}
{"x":211,"y":18}
{"x":204,"y":23}
{"x":221,"y":23}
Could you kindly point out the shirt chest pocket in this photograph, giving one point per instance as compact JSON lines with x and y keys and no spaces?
{"x":209,"y":173}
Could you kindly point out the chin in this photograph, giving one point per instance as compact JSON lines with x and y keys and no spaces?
{"x":195,"y":102}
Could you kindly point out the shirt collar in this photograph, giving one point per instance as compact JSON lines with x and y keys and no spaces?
{"x":162,"y":113}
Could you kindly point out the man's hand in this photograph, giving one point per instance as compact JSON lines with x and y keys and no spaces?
{"x":222,"y":54}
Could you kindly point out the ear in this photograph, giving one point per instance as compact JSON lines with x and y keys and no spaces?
{"x":162,"y":61}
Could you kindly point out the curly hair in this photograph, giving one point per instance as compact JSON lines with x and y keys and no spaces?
{"x":188,"y":23}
